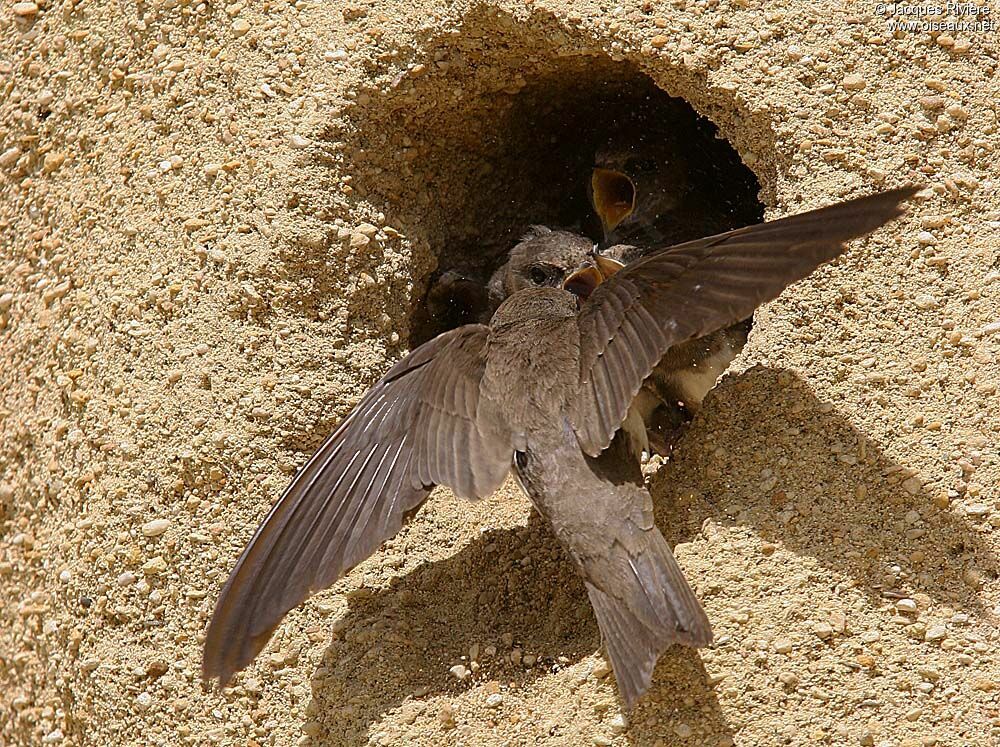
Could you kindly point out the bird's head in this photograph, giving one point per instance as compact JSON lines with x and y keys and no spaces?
{"x":544,"y":258}
{"x":635,"y":185}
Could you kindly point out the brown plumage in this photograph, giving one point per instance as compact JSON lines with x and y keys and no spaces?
{"x":649,"y":194}
{"x":543,"y":390}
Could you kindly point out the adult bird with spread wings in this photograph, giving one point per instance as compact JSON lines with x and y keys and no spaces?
{"x":543,"y":390}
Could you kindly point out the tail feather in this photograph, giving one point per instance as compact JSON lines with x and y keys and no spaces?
{"x":655,"y":608}
{"x":630,"y":646}
{"x":669,"y":598}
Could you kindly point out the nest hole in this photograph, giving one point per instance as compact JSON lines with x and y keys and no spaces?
{"x":465,"y":169}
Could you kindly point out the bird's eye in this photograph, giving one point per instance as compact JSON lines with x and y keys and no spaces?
{"x":538,"y":275}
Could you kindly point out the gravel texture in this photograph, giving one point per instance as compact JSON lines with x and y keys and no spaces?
{"x":215,"y":223}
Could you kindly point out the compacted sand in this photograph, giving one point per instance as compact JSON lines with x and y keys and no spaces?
{"x":217,"y":223}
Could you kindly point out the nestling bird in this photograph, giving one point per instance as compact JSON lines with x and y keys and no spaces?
{"x":650,"y":194}
{"x":544,"y":257}
{"x":542,"y":391}
{"x":662,"y":190}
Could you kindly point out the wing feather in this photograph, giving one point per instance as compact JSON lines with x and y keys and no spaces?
{"x":419,"y":426}
{"x":687,"y":291}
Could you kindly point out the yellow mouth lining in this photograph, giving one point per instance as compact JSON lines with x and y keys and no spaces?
{"x":584,"y":281}
{"x":614,"y":196}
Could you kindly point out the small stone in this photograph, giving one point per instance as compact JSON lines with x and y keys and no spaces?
{"x":683,"y":731}
{"x":335,"y":55}
{"x":977,"y":509}
{"x":65,"y":576}
{"x":459,"y":671}
{"x":619,"y":724}
{"x":212,"y":169}
{"x":601,"y":741}
{"x":914,"y":714}
{"x":191,"y":224}
{"x":906,"y":605}
{"x":601,"y":669}
{"x":9,"y":157}
{"x":53,"y":161}
{"x":935,"y":633}
{"x":143,"y":701}
{"x":789,"y":679}
{"x":240,"y":27}
{"x":25,"y":10}
{"x":865,"y":660}
{"x":368,"y":230}
{"x":853,"y":82}
{"x":154,"y":565}
{"x":494,"y":700}
{"x":89,"y":665}
{"x":972,"y":577}
{"x":913,"y":485}
{"x":931,"y":103}
{"x":6,"y":301}
{"x":989,"y":329}
{"x":931,"y":675}
{"x":659,"y":41}
{"x":446,"y":717}
{"x":783,"y":646}
{"x":297,"y":141}
{"x":359,"y":240}
{"x":823,"y":630}
{"x":57,"y":735}
{"x":126,"y":579}
{"x":156,"y":527}
{"x":312,"y":728}
{"x":926,"y":238}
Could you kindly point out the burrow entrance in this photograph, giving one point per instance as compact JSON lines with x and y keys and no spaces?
{"x":468,"y":149}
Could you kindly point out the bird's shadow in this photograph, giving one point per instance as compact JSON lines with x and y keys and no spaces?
{"x":515,"y":588}
{"x":821,"y":488}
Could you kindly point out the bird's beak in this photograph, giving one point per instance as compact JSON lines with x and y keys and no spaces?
{"x":585,"y":280}
{"x":614,"y":197}
{"x":606,"y":265}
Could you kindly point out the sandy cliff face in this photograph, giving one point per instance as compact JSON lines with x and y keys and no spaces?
{"x":217,"y":222}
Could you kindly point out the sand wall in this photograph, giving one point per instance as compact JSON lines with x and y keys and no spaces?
{"x":216,"y":222}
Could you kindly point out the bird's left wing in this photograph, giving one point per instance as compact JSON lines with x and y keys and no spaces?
{"x":418,"y":426}
{"x":687,"y":291}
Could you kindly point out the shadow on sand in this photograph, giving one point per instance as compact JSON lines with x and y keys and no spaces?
{"x":394,"y":644}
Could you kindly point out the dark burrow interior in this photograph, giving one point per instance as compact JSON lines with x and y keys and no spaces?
{"x":465,"y":176}
{"x":548,"y":142}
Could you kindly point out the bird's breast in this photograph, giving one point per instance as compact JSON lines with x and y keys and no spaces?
{"x":532,"y":374}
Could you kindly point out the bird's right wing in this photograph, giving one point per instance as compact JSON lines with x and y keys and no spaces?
{"x":687,"y":291}
{"x":417,"y":427}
